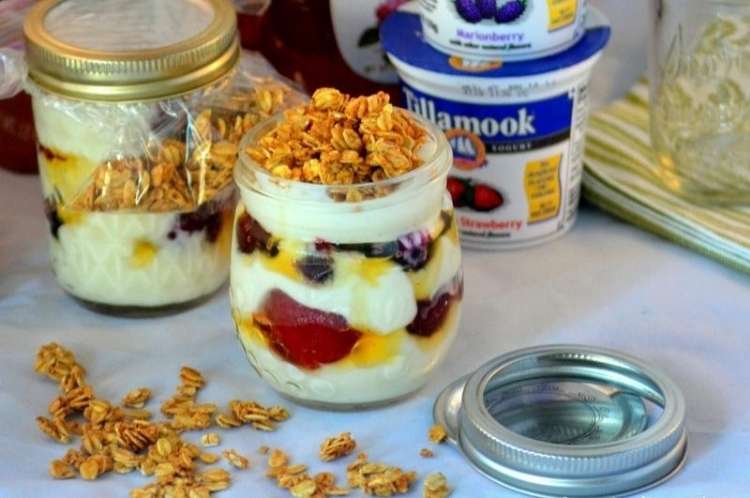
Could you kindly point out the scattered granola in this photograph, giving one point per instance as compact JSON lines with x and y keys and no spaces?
{"x":237,"y":460}
{"x":59,"y":469}
{"x":137,"y":398}
{"x":337,"y":447}
{"x":181,"y":173}
{"x":436,"y":486}
{"x":437,"y":434}
{"x":263,"y":450}
{"x":296,"y":479}
{"x":426,"y":453}
{"x":252,"y":413}
{"x":122,"y":440}
{"x":210,"y":439}
{"x":378,"y":479}
{"x":340,"y":140}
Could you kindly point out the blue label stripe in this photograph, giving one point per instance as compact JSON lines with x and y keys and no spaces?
{"x":401,"y":36}
{"x":502,"y":128}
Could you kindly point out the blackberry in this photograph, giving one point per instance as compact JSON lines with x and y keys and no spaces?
{"x":251,"y":236}
{"x":510,"y":11}
{"x":55,"y":222}
{"x":488,"y":8}
{"x":469,"y":11}
{"x":316,"y":269}
{"x":206,"y":217}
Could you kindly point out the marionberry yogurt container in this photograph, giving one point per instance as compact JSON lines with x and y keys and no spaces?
{"x":507,"y":29}
{"x":517,"y":130}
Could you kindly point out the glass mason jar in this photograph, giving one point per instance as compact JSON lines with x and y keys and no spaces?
{"x":138,"y":114}
{"x":700,"y":102}
{"x":346,"y":303}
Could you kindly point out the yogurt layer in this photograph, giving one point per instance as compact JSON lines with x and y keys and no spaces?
{"x":130,"y":259}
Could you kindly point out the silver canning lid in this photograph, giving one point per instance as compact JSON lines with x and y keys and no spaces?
{"x":573,"y":421}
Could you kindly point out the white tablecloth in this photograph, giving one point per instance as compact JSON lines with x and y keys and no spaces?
{"x":603,"y":284}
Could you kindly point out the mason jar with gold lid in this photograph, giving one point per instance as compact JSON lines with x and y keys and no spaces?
{"x":139,"y":107}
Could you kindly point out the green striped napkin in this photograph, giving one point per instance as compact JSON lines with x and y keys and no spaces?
{"x":619,"y":178}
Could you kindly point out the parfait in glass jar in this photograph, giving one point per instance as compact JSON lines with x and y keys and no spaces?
{"x":346,"y":278}
{"x":139,"y":113}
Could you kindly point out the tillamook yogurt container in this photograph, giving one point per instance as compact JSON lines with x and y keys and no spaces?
{"x":506,"y":29}
{"x":517,"y":130}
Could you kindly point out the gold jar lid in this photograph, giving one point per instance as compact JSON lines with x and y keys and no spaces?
{"x":129,"y":50}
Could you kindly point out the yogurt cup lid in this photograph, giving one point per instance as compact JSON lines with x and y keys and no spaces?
{"x":572,"y":421}
{"x":402,"y":38}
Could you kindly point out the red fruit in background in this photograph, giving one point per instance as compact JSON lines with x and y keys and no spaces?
{"x":457,"y":188}
{"x":486,"y":198}
{"x":305,"y":336}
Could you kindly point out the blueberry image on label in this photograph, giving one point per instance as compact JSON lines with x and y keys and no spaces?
{"x":469,"y":10}
{"x":510,"y":11}
{"x":488,"y":8}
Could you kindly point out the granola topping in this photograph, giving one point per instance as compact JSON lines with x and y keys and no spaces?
{"x":181,"y":173}
{"x":341,"y":140}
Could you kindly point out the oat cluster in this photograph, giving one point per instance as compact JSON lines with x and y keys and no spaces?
{"x":298,"y":481}
{"x":123,"y":439}
{"x":436,"y":486}
{"x":177,"y":174}
{"x":378,"y":479}
{"x":336,"y":447}
{"x":437,"y":434}
{"x":340,"y":140}
{"x":426,"y":453}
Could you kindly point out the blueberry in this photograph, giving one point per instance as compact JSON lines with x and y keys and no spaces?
{"x":413,"y":250}
{"x":488,"y":8}
{"x":510,"y":11}
{"x":468,"y":10}
{"x":55,"y":222}
{"x":316,"y":269}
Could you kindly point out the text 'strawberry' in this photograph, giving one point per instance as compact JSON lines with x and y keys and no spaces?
{"x":251,"y":236}
{"x":510,"y":11}
{"x":469,"y":10}
{"x":413,"y":250}
{"x":488,"y":8}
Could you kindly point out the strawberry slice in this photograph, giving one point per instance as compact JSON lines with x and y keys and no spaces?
{"x":305,"y":336}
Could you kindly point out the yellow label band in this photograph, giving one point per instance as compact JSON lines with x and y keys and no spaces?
{"x":542,"y":186}
{"x":562,"y":13}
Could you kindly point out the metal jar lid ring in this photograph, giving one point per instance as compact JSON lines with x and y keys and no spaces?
{"x":571,"y":421}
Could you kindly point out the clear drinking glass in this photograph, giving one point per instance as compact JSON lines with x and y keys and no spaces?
{"x":700,"y":99}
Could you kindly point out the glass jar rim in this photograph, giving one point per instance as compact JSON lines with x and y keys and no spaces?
{"x":249,"y":174}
